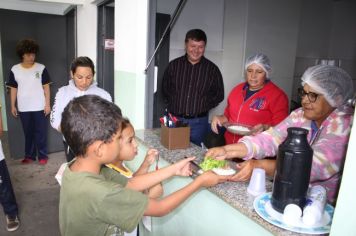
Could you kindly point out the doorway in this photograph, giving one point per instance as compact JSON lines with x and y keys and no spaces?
{"x":106,"y":33}
{"x":161,"y":62}
{"x":56,"y":36}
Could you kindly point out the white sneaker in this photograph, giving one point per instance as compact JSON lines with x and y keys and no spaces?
{"x":12,"y":223}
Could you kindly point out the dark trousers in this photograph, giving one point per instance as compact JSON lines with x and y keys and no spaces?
{"x":34,"y":124}
{"x":69,"y":154}
{"x":199,"y":127}
{"x":7,"y":196}
{"x":215,"y":140}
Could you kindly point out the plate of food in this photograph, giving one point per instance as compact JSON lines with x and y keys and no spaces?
{"x":237,"y":128}
{"x":220,"y":167}
{"x":264,"y":209}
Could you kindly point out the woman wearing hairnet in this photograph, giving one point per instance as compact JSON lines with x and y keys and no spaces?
{"x":324,"y":113}
{"x":257,"y":103}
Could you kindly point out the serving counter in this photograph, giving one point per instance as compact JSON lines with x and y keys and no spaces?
{"x":225,"y":209}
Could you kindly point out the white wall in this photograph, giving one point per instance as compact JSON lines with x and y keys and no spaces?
{"x":272,"y":29}
{"x":131,"y":36}
{"x":235,"y":22}
{"x":211,"y":20}
{"x":87,"y":24}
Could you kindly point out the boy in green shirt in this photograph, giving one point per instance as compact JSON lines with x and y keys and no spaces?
{"x":95,"y":200}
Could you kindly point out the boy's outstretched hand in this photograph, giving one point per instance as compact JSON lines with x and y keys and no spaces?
{"x":209,"y":179}
{"x":182,"y":167}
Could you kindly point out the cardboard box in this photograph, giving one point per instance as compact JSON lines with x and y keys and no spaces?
{"x":175,"y":138}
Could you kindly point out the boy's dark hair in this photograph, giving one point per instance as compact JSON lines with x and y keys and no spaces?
{"x":196,"y":35}
{"x":26,"y":46}
{"x":83,"y":62}
{"x":87,"y":119}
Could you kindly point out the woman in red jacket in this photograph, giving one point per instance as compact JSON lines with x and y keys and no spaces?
{"x":256,"y":103}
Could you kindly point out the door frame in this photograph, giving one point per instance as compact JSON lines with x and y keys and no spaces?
{"x":52,"y":39}
{"x":105,"y":59}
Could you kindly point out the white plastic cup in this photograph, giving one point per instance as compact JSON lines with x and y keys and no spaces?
{"x":314,"y":209}
{"x":257,"y":185}
{"x":292,"y":214}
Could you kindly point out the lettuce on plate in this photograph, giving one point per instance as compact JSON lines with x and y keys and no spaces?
{"x":211,"y":163}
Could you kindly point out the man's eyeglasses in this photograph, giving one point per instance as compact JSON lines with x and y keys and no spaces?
{"x":311,"y":96}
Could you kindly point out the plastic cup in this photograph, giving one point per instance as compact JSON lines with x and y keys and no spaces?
{"x":257,"y":185}
{"x":292,"y":214}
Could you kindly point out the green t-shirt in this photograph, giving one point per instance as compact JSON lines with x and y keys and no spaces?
{"x":98,"y":204}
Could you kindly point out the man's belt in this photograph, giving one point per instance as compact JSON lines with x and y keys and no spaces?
{"x":188,"y":116}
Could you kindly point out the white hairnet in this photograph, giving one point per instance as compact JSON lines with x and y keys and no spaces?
{"x":332,"y":82}
{"x":261,"y":60}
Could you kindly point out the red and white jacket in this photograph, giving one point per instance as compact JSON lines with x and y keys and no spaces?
{"x":267,"y":106}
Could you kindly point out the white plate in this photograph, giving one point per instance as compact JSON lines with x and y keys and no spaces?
{"x":263,"y":207}
{"x":222,"y":171}
{"x":238,"y":129}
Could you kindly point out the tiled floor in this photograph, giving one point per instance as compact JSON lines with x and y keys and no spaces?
{"x":37,"y":194}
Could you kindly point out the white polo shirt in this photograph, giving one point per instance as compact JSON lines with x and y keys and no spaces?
{"x":29,"y":83}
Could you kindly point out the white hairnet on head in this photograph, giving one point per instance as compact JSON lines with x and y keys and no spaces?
{"x":262,"y":61}
{"x":332,"y":82}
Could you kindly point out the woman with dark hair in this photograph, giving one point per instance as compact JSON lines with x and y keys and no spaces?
{"x":82,"y":83}
{"x":257,"y":103}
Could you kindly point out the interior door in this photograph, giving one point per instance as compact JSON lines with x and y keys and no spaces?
{"x":105,"y":61}
{"x":50,"y":31}
{"x":161,"y":62}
